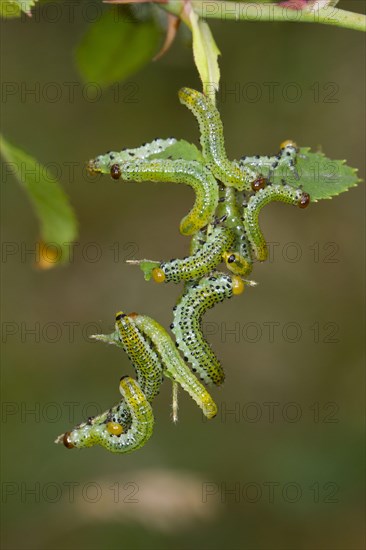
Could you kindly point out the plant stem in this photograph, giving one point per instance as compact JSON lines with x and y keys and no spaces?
{"x":250,"y":11}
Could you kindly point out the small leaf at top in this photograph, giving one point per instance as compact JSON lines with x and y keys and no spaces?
{"x":205,"y":53}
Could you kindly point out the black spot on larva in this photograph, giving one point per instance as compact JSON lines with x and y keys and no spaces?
{"x":120,"y":316}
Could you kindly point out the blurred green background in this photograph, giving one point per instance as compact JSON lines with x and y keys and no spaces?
{"x":292,"y":453}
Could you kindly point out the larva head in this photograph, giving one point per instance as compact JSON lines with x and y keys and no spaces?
{"x":158,"y":275}
{"x":304,"y":200}
{"x":259,"y":183}
{"x":238,"y":286}
{"x":120,"y":315}
{"x":67,"y":440}
{"x":122,"y":325}
{"x":115,"y":171}
{"x":114,"y":428}
{"x":236,"y":263}
{"x":288,"y":143}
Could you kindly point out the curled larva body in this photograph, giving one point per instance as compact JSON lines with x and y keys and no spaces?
{"x":107,"y":429}
{"x":103,"y":163}
{"x":212,"y":141}
{"x":281,"y":193}
{"x":205,"y":260}
{"x":238,"y":260}
{"x":190,"y":173}
{"x":197,"y":299}
{"x":146,"y":362}
{"x":174,"y":366}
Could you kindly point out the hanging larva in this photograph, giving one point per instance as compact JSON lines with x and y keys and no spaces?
{"x":147,"y":364}
{"x":174,"y":366}
{"x":108,"y":429}
{"x":213,"y":143}
{"x":284,"y":161}
{"x":191,"y":173}
{"x":281,"y":193}
{"x":224,"y":225}
{"x":103,"y":163}
{"x":206,"y":259}
{"x":186,"y":327}
{"x":238,"y":260}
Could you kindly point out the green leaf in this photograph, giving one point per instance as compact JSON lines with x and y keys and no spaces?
{"x":56,"y":216}
{"x":115,"y":47}
{"x":205,"y":53}
{"x":14,"y":8}
{"x":146,"y":267}
{"x":319,"y":176}
{"x":322,"y":177}
{"x":182,"y":149}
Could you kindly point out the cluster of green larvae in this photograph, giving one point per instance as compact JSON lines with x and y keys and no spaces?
{"x":224,"y":228}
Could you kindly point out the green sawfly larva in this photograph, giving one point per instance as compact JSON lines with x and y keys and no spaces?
{"x":107,"y":429}
{"x":278,"y":192}
{"x":144,"y":359}
{"x":213,"y":143}
{"x":191,"y":173}
{"x":174,"y":366}
{"x":186,"y":326}
{"x":207,"y":257}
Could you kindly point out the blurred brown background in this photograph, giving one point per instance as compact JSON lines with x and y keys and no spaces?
{"x":292,"y":452}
